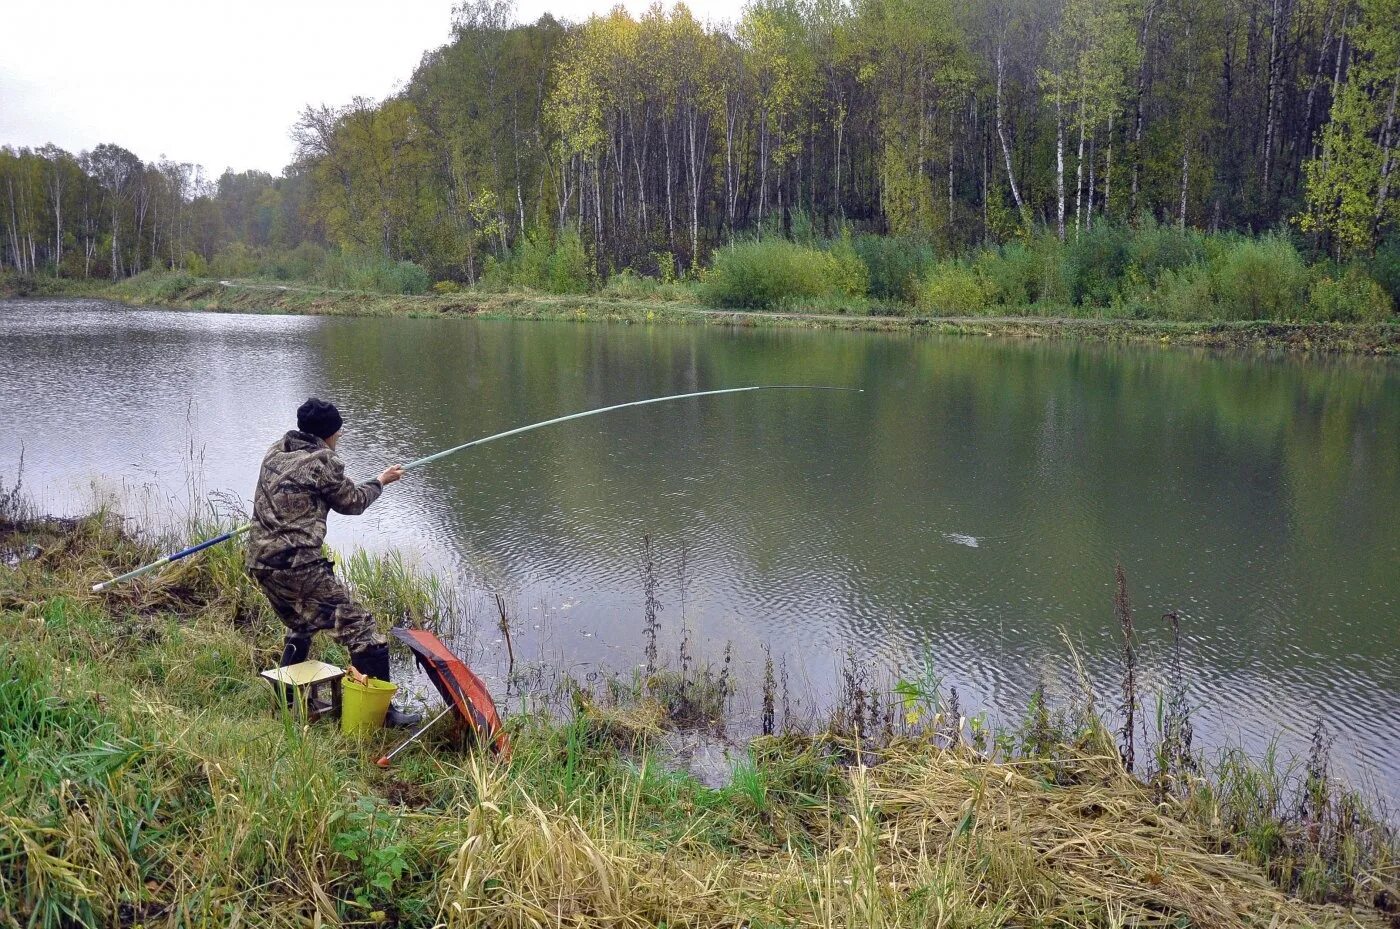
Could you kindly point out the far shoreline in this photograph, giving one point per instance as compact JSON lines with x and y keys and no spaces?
{"x":210,"y":294}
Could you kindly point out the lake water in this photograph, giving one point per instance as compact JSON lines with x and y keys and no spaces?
{"x":964,"y":510}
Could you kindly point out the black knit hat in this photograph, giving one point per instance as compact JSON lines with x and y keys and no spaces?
{"x":319,"y":418}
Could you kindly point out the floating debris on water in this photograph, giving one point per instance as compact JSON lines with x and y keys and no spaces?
{"x":957,"y":538}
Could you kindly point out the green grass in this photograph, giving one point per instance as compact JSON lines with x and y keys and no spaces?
{"x":401,"y":594}
{"x":147,"y":778}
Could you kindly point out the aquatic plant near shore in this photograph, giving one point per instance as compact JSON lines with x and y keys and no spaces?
{"x":651,"y":605}
{"x":1175,"y":760}
{"x":1123,"y":611}
{"x":397,"y":592}
{"x":15,"y":509}
{"x":769,"y":688}
{"x":504,"y":626}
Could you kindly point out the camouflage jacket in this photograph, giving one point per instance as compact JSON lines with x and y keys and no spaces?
{"x":300,"y":480}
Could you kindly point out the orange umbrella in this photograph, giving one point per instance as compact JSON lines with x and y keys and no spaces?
{"x":461,"y":690}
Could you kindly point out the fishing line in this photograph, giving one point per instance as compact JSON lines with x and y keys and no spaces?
{"x":419,"y":462}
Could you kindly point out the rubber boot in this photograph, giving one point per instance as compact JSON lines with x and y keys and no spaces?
{"x":374,"y":662}
{"x":294,"y":651}
{"x":402,"y":719}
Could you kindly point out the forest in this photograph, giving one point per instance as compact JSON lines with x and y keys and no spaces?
{"x":624,"y":145}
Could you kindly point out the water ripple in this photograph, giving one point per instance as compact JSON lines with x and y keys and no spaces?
{"x":966,"y":511}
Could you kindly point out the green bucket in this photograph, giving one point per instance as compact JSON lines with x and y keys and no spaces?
{"x":364,"y":706}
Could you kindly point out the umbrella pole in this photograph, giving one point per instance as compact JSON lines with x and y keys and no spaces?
{"x":384,"y":762}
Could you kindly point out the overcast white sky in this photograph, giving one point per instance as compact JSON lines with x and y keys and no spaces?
{"x":218,"y":84}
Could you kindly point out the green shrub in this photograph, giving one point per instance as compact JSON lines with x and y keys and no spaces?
{"x":234,"y":260}
{"x":1010,"y":274}
{"x":1185,"y":294}
{"x":333,"y":273}
{"x":895,"y":265}
{"x":953,"y":288}
{"x":1097,"y":259}
{"x":770,"y":272}
{"x":14,"y":284}
{"x":1021,"y":275}
{"x":1154,"y":248}
{"x":1352,"y":297}
{"x":157,"y":285}
{"x":280,"y":267}
{"x":1384,"y":267}
{"x":354,"y":269}
{"x":629,"y":285}
{"x":536,"y":262}
{"x":1260,"y":279}
{"x":801,"y":229}
{"x":569,"y":270}
{"x":495,"y":275}
{"x":340,"y":270}
{"x":665,"y":262}
{"x":1044,"y":266}
{"x":169,"y":286}
{"x":369,"y":837}
{"x":310,"y":255}
{"x":851,"y":276}
{"x":406,"y":278}
{"x":195,"y":264}
{"x":446,"y":287}
{"x":528,"y":263}
{"x":303,"y":263}
{"x":73,"y":265}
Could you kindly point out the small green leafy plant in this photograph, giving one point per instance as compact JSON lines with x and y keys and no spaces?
{"x":368,"y":836}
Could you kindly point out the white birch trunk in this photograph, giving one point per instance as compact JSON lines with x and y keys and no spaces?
{"x":1387,"y":159}
{"x":1271,"y":100}
{"x":1006,"y":149}
{"x":1060,"y":168}
{"x":1079,"y":166}
{"x":1108,"y":169}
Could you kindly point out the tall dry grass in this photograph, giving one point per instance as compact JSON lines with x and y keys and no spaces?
{"x":147,"y":777}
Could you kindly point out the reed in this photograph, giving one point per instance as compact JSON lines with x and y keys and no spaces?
{"x":1123,"y":611}
{"x":769,"y":691}
{"x":504,"y":626}
{"x":391,"y":588}
{"x":651,"y":604}
{"x":15,"y":510}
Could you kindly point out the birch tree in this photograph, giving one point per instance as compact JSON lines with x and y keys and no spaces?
{"x":1350,"y":184}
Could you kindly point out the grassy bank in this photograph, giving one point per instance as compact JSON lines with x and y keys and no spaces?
{"x":677,"y":304}
{"x":146,"y":780}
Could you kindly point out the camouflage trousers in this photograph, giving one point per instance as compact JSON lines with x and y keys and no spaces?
{"x":312,"y":599}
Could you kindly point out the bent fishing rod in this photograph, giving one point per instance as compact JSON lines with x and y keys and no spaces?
{"x":208,"y":543}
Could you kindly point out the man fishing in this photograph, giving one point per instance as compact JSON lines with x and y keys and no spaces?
{"x":301,"y":479}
